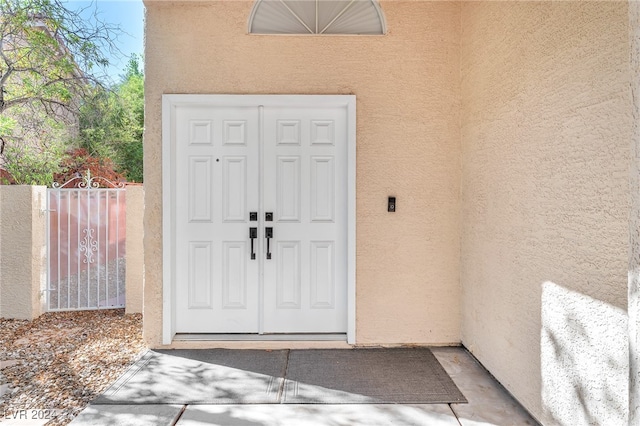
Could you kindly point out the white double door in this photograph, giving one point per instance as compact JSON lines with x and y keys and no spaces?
{"x":261,"y":219}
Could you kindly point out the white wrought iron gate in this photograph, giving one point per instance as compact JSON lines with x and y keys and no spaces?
{"x":86,"y":245}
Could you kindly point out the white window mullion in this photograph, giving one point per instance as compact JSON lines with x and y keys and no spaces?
{"x":295,"y":15}
{"x":337,"y":16}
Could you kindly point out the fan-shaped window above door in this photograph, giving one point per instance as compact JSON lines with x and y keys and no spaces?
{"x":316,"y":17}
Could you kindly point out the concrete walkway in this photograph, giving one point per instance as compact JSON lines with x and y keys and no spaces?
{"x":489,"y":404}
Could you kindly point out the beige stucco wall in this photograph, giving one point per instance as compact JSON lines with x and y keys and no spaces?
{"x":408,"y":144}
{"x":134,"y":248}
{"x":546,"y":125}
{"x":634,"y":222}
{"x":22,"y":251}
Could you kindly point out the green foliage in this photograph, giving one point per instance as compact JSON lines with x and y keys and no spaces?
{"x":51,"y":57}
{"x":49,"y":53}
{"x":38,"y":146}
{"x":112,"y":122}
{"x":7,"y":125}
{"x":31,"y":165}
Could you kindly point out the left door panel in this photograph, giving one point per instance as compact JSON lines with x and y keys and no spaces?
{"x":217,"y":184}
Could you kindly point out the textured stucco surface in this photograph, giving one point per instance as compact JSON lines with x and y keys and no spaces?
{"x":546,"y":124}
{"x":408,"y":144}
{"x":134,"y":248}
{"x":634,"y":221}
{"x":22,"y":251}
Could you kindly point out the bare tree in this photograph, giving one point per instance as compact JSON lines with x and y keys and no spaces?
{"x":50,"y":56}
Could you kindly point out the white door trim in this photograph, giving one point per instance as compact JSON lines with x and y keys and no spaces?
{"x":169,"y":103}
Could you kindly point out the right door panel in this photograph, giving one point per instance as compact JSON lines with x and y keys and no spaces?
{"x":304,"y":185}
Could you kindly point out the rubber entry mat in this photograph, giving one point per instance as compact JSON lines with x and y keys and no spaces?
{"x":204,"y":376}
{"x":347,"y":376}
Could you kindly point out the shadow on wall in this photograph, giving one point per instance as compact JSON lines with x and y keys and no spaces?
{"x":584,"y":359}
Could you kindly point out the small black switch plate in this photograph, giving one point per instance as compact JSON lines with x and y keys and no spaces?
{"x":391,"y":205}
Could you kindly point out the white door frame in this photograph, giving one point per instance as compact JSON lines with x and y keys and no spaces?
{"x":169,"y":103}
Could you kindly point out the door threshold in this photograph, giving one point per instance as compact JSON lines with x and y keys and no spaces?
{"x":215,"y":337}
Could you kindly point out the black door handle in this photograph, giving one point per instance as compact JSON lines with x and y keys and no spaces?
{"x":268,"y":233}
{"x":253,"y":234}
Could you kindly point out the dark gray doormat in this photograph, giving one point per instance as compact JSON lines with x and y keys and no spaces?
{"x":205,"y":376}
{"x":344,"y":376}
{"x":315,"y":376}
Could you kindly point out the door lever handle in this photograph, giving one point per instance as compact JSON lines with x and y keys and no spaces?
{"x":268,"y":233}
{"x":253,"y":234}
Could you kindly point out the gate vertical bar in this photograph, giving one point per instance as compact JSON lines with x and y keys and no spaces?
{"x":49,"y":278}
{"x":79,"y":212}
{"x":108,"y":236}
{"x":50,"y":287}
{"x":58,"y":242}
{"x":118,"y":248}
{"x":48,"y":294}
{"x":89,"y":245}
{"x":68,"y":250}
{"x":99,"y":251}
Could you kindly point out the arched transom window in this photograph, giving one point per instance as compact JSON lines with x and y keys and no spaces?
{"x":316,"y":17}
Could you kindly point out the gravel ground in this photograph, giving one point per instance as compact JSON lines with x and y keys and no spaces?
{"x":63,"y":360}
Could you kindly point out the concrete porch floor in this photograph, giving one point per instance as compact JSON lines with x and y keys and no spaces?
{"x":489,"y":404}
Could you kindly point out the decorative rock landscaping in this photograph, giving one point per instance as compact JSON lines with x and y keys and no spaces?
{"x":62,"y":360}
